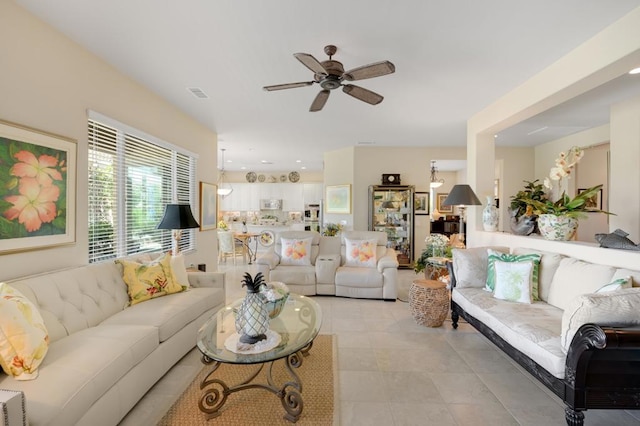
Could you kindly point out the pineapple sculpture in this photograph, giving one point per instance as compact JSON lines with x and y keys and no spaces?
{"x":252,"y":319}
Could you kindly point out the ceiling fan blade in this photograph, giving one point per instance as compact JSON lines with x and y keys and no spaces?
{"x":320,"y":100}
{"x":362,"y":94}
{"x":287,"y":86}
{"x":311,"y":63}
{"x":369,"y":71}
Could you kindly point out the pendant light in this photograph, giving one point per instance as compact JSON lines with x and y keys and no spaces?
{"x":434,"y":182}
{"x":224,"y":189}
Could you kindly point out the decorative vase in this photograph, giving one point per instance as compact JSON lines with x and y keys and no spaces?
{"x":557,"y":228}
{"x":244,"y":228}
{"x":252,"y":318}
{"x":490,"y":216}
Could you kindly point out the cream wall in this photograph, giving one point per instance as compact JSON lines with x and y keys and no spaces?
{"x":48,"y":83}
{"x":339,"y":170}
{"x":609,"y":54}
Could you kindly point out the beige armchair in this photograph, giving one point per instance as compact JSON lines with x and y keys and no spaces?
{"x":375,"y":279}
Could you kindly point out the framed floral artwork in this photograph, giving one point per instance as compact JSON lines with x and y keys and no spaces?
{"x":338,"y":199}
{"x":208,"y":206}
{"x":37,"y":189}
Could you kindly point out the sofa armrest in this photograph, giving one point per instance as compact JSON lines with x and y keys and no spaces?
{"x":389,"y":260}
{"x":270,"y":259}
{"x":326,"y":266}
{"x":207,"y":279}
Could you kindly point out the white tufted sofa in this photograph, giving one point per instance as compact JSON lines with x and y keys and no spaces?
{"x":104,"y":355}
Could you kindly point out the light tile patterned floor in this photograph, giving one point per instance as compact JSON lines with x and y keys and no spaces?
{"x":394,"y":372}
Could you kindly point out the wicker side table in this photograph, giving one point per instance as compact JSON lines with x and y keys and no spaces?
{"x":429,"y":302}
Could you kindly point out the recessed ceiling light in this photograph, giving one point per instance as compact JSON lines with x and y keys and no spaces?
{"x":635,"y":71}
{"x":298,"y":161}
{"x":303,"y":168}
{"x":266,"y":162}
{"x":243,"y":168}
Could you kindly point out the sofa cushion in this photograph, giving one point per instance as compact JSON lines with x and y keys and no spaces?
{"x":24,"y":339}
{"x":616,"y":309}
{"x":361,"y":253}
{"x":359,"y":277}
{"x":623,"y":273}
{"x":300,"y":275}
{"x":146,"y":281}
{"x":514,"y":280}
{"x":494,"y":255}
{"x":532,"y":329}
{"x":172,"y":313}
{"x":470,"y":266}
{"x":180,"y":271}
{"x":80,"y":368}
{"x":615,"y":285}
{"x":295,"y":251}
{"x":575,"y":277}
{"x":549,"y":263}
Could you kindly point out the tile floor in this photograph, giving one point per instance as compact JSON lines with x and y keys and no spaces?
{"x":392,"y":371}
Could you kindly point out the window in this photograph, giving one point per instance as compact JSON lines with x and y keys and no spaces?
{"x":132,"y":176}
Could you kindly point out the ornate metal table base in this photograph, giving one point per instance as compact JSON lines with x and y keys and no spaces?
{"x":290,"y":393}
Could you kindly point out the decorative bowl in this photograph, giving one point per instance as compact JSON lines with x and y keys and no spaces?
{"x":276,"y":294}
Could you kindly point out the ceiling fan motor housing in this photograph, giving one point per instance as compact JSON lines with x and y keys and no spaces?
{"x":335,"y":70}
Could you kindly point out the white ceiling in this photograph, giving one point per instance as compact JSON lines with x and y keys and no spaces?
{"x":452,"y":59}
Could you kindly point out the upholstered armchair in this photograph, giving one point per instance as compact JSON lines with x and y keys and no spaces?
{"x":368,"y":268}
{"x":304,"y":260}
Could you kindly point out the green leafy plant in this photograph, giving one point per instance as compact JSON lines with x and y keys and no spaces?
{"x":573,"y":207}
{"x":533,"y":191}
{"x":331,"y":229}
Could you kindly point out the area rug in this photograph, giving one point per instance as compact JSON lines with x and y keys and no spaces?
{"x":259,"y":406}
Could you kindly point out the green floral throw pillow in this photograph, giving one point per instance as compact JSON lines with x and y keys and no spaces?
{"x":494,"y":256}
{"x":513,"y":281}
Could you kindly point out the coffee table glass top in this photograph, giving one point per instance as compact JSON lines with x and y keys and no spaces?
{"x":298,"y":324}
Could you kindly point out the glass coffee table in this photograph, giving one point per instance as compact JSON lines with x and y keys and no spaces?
{"x":298,"y":325}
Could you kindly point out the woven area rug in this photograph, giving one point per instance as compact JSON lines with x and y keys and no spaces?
{"x":259,"y":406}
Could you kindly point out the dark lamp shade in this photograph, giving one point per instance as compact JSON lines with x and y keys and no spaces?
{"x":178,"y":216}
{"x":461,"y":195}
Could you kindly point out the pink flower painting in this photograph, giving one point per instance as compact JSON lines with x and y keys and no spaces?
{"x":33,"y":201}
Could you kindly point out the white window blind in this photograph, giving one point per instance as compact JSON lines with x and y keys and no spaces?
{"x":132,"y":176}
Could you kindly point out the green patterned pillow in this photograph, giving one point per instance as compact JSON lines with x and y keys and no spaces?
{"x":493,"y":256}
{"x":513,"y":281}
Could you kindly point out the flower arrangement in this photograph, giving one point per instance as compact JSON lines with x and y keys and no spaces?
{"x":564,"y":205}
{"x":332,"y":229}
{"x":222,"y":225}
{"x":437,"y":245}
{"x":275,"y":294}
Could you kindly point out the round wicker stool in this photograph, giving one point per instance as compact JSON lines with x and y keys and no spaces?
{"x":429,"y":302}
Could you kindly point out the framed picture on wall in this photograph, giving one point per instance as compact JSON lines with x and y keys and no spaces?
{"x":208,"y":206}
{"x":439,"y":200}
{"x":38,"y":194}
{"x":421,"y":203}
{"x":594,"y":203}
{"x":338,"y":199}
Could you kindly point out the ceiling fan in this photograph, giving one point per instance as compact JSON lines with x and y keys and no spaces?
{"x":330,"y":75}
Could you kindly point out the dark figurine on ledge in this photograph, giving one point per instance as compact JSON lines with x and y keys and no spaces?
{"x":617,"y":239}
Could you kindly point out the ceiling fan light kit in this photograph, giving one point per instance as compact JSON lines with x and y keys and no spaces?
{"x":330,"y":75}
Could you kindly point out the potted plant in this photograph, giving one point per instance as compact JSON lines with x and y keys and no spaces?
{"x":332,"y":229}
{"x":522,"y":220}
{"x":437,"y":246}
{"x":558,"y":220}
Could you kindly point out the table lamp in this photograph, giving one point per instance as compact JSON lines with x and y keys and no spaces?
{"x":177,"y":217}
{"x":461,"y":196}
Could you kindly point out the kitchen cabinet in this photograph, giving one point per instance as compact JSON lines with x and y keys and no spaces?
{"x":245,"y":197}
{"x":391,"y":211}
{"x":313,"y":193}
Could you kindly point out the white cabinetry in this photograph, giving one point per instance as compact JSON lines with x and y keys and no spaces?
{"x":313,"y":193}
{"x":243,"y":198}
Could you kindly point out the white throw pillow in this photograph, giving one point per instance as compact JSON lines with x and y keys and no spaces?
{"x":361,"y":253}
{"x":575,"y":277}
{"x":295,"y":251}
{"x":470,"y":266}
{"x":619,"y":308}
{"x":549,"y":263}
{"x":180,"y":271}
{"x":513,"y":281}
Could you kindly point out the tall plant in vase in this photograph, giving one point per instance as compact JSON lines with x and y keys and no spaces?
{"x":558,"y":215}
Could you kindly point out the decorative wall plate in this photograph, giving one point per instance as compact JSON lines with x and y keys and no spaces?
{"x":267,"y":238}
{"x":283,"y":178}
{"x":251,"y":177}
{"x":261,"y":178}
{"x":294,"y":176}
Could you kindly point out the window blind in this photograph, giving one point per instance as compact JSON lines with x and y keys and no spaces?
{"x":131,"y":180}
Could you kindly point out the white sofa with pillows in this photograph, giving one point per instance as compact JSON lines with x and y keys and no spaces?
{"x":357,"y":264}
{"x":570,"y":323}
{"x":84,"y":346}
